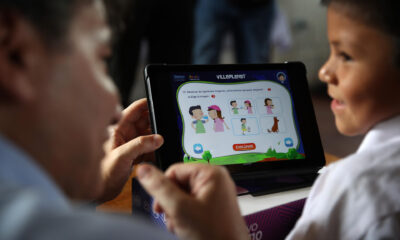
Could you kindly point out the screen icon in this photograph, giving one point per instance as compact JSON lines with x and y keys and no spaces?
{"x":198,"y":148}
{"x":288,"y":142}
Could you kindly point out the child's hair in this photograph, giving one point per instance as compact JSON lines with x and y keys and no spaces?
{"x":242,"y":119}
{"x":266,"y":101}
{"x":232,"y":102}
{"x":248,"y":102}
{"x":383,"y":15}
{"x":281,"y":75}
{"x":192,"y":108}
{"x":219,"y":114}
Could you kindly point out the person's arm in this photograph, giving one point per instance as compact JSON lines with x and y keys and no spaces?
{"x":226,"y":125}
{"x":130,"y":142}
{"x":199,"y":201}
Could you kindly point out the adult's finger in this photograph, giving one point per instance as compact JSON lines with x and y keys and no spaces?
{"x":139,"y":146}
{"x":197,"y":176}
{"x":168,"y":195}
{"x":134,"y":111}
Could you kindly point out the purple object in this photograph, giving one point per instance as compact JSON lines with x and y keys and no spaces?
{"x":214,"y":107}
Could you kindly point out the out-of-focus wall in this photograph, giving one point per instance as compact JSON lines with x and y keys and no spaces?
{"x":307,"y":22}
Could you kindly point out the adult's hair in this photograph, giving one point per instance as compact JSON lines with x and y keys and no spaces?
{"x":192,"y":108}
{"x":380,"y":14}
{"x":51,"y":18}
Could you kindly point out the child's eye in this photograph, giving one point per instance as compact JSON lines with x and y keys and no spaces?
{"x":344,"y":56}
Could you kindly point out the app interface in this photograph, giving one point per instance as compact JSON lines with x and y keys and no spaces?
{"x":236,"y":117}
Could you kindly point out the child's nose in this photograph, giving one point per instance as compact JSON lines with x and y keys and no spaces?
{"x":326,"y":74}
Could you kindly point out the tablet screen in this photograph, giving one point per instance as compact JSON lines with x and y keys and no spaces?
{"x":236,"y":117}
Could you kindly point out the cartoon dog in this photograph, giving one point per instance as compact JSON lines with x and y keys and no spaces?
{"x":275,"y":127}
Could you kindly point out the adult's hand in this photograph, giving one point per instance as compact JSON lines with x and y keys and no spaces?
{"x":130,"y":142}
{"x":199,"y":201}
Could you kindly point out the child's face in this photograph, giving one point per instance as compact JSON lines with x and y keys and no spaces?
{"x":234,"y":104}
{"x":362,"y":79}
{"x":197,"y":114}
{"x":269,"y":102}
{"x":212,"y":114}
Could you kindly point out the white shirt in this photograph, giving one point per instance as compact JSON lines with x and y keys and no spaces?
{"x":33,"y":207}
{"x":359,"y":196}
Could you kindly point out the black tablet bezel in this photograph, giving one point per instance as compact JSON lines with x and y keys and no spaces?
{"x":161,"y":102}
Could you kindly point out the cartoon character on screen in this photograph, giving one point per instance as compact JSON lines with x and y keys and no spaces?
{"x":235,"y":109}
{"x":282,"y":77}
{"x":269,"y":105}
{"x":275,"y":126}
{"x":244,"y":127}
{"x":199,"y":119}
{"x":248,"y":106}
{"x":215,"y":113}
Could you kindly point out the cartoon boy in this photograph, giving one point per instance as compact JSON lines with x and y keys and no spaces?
{"x":281,"y":77}
{"x":235,"y":108}
{"x":244,"y":127}
{"x":198,"y":123}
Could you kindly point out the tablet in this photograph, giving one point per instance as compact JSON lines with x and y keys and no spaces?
{"x":257,"y":119}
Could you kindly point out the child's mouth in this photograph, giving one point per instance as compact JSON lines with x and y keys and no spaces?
{"x":337,"y":105}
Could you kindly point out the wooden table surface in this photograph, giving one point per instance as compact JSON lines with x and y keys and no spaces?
{"x":123,"y":202}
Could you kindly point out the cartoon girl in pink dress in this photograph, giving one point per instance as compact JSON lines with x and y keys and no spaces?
{"x":248,"y":106}
{"x":269,"y":105}
{"x":215,"y":113}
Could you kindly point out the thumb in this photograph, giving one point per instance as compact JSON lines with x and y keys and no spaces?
{"x":139,"y":146}
{"x":166,"y":193}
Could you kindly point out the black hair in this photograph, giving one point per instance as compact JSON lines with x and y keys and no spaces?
{"x":233,"y":102}
{"x":383,"y":15}
{"x":192,"y":108}
{"x":51,"y":18}
{"x":242,"y":119}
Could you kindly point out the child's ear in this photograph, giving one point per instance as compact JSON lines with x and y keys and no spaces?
{"x":17,"y":38}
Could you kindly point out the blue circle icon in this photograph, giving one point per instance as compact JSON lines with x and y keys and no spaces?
{"x":289,"y":142}
{"x":198,"y":148}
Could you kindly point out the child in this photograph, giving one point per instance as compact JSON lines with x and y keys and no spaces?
{"x":359,"y":196}
{"x":235,"y":108}
{"x":244,"y":127}
{"x":197,"y":114}
{"x":249,"y":108}
{"x":215,"y":113}
{"x":269,"y":105}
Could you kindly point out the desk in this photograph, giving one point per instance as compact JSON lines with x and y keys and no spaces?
{"x":123,"y":202}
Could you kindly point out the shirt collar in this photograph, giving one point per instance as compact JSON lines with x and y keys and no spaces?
{"x":18,"y":168}
{"x":382,"y":133}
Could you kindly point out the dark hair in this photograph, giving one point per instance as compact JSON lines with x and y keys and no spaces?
{"x":192,"y":108}
{"x":242,"y":119}
{"x":233,"y":102}
{"x":265,"y":101}
{"x":51,"y":18}
{"x":383,"y":15}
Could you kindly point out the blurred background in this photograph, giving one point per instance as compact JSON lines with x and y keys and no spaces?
{"x":224,"y":31}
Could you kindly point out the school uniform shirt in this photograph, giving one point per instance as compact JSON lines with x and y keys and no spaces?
{"x":359,"y":196}
{"x":33,"y":207}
